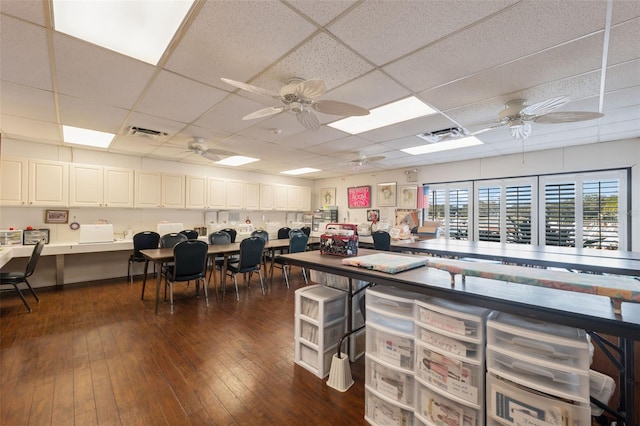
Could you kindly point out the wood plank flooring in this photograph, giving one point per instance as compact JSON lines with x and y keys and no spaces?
{"x":95,"y":354}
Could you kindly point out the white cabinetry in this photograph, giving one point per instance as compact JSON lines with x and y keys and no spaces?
{"x":195,"y":192}
{"x":251,"y":195}
{"x":14,"y":178}
{"x":267,"y":196}
{"x":154,"y":189}
{"x":216,"y":193}
{"x":282,"y":197}
{"x":234,"y":194}
{"x":48,"y":183}
{"x":172,"y":191}
{"x":298,"y":198}
{"x":98,"y":186}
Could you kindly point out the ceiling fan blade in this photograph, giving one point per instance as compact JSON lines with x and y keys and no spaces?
{"x":545,"y":107}
{"x":264,"y":112}
{"x":250,"y":88}
{"x":308,"y":119}
{"x":210,"y":155}
{"x":567,"y":117}
{"x":488,"y":129}
{"x":339,"y":108}
{"x":310,"y":89}
{"x":374,"y":158}
{"x":220,"y":152}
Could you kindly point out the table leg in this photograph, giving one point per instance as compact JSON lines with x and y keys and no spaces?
{"x":158,"y":282}
{"x":223,"y":280}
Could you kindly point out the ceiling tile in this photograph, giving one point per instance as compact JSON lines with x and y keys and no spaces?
{"x":81,"y":113}
{"x":325,"y":14}
{"x":25,"y":101}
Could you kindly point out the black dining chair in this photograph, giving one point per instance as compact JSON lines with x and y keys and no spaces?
{"x":297,"y":244}
{"x":232,"y":233}
{"x":142,"y":241}
{"x":219,"y":237}
{"x":381,"y":240}
{"x":15,"y":278}
{"x":189,"y":263}
{"x":190,"y":233}
{"x":283,"y":232}
{"x":306,"y":230}
{"x":249,"y":261}
{"x":261,"y":233}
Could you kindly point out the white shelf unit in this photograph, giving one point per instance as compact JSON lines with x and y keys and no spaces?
{"x":389,"y":362}
{"x":537,"y":365}
{"x":450,"y":362}
{"x":319,"y":324}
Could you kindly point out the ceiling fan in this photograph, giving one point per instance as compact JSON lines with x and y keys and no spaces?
{"x":518,"y":115}
{"x":300,"y":97}
{"x":363,"y":161}
{"x":198,"y":146}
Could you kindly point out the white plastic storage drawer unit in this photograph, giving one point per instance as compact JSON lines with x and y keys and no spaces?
{"x":433,"y":408}
{"x":391,"y":300}
{"x":319,"y":325}
{"x":390,"y":346}
{"x":567,"y":346}
{"x":510,"y":404}
{"x":381,"y":411}
{"x":394,"y":383}
{"x":453,"y":375}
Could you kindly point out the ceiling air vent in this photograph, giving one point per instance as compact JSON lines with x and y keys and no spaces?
{"x":442,"y":135}
{"x":147,"y":133}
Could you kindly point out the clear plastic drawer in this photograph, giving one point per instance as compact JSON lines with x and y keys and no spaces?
{"x":395,"y":384}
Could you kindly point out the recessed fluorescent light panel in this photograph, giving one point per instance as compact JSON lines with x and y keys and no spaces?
{"x":236,"y":160}
{"x":140,"y":29}
{"x":395,"y":112}
{"x":300,"y":171}
{"x":86,"y":137}
{"x":443,"y":146}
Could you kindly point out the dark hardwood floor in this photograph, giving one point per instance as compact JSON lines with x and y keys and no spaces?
{"x":96,"y":354}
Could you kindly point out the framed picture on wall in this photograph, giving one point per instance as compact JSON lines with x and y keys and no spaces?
{"x":387,"y":194}
{"x":359,"y":197}
{"x":407,"y":196}
{"x":327,"y":196}
{"x":56,"y":216}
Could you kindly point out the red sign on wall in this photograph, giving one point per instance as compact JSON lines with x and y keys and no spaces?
{"x":359,"y":197}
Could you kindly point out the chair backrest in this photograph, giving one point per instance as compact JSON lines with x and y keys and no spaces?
{"x":33,"y":260}
{"x":145,"y":240}
{"x":232,"y":233}
{"x":190,"y":257}
{"x":190,"y":233}
{"x":170,"y":240}
{"x":219,"y":237}
{"x":261,"y":233}
{"x":283,"y":232}
{"x":298,"y":243}
{"x":306,"y":230}
{"x":251,"y":250}
{"x":295,"y":231}
{"x":381,"y":240}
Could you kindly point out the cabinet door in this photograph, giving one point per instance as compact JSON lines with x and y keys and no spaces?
{"x":251,"y":196}
{"x":267,"y":196}
{"x":14,"y":181}
{"x":282,"y":195}
{"x":118,"y":187}
{"x":216,"y":193}
{"x":195,"y":192}
{"x":86,"y":185}
{"x":48,"y":183}
{"x":304,"y":203}
{"x":173,"y":191}
{"x":234,"y":194}
{"x":147,"y":193}
{"x":293,"y":197}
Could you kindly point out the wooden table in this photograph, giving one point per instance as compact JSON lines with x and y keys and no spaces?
{"x":587,"y":311}
{"x":160,"y":255}
{"x":586,"y":260}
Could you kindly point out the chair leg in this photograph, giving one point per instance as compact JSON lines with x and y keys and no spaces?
{"x":129,"y":272}
{"x":22,"y":297}
{"x":31,"y":290}
{"x":170,"y":292}
{"x":206,"y":294}
{"x":144,"y":281}
{"x":261,"y":281}
{"x":304,"y":275}
{"x":285,"y":275}
{"x":235,"y":282}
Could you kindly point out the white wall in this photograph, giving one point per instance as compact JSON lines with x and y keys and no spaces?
{"x":605,"y":155}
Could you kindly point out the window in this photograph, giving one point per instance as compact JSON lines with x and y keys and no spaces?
{"x":488,"y":223}
{"x":449,"y":204}
{"x":600,"y":212}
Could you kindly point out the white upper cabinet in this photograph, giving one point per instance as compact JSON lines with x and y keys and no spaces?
{"x":195,"y":196}
{"x":118,"y":187}
{"x":147,"y":189}
{"x":48,"y":183}
{"x":267,"y":196}
{"x":304,"y":203}
{"x":14,"y":181}
{"x":172,"y":191}
{"x":251,"y":195}
{"x":86,"y":185}
{"x":282,"y":197}
{"x":216,"y":193}
{"x":234,"y":194}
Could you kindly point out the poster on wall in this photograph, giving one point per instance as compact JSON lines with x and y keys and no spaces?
{"x":408,"y":196}
{"x":359,"y":197}
{"x":328,"y":196}
{"x":387,"y":194}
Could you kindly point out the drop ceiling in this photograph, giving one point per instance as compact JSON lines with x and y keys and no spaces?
{"x":464,"y":59}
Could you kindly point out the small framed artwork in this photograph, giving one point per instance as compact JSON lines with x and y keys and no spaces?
{"x":373,"y":215}
{"x":408,"y":196}
{"x":56,"y":216}
{"x":387,"y":194}
{"x":327,"y":196}
{"x":359,"y":197}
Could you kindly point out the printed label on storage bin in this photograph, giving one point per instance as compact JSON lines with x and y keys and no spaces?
{"x":396,"y":350}
{"x":522,"y":413}
{"x":448,"y":374}
{"x":441,"y":411}
{"x":443,"y":322}
{"x":448,"y":344}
